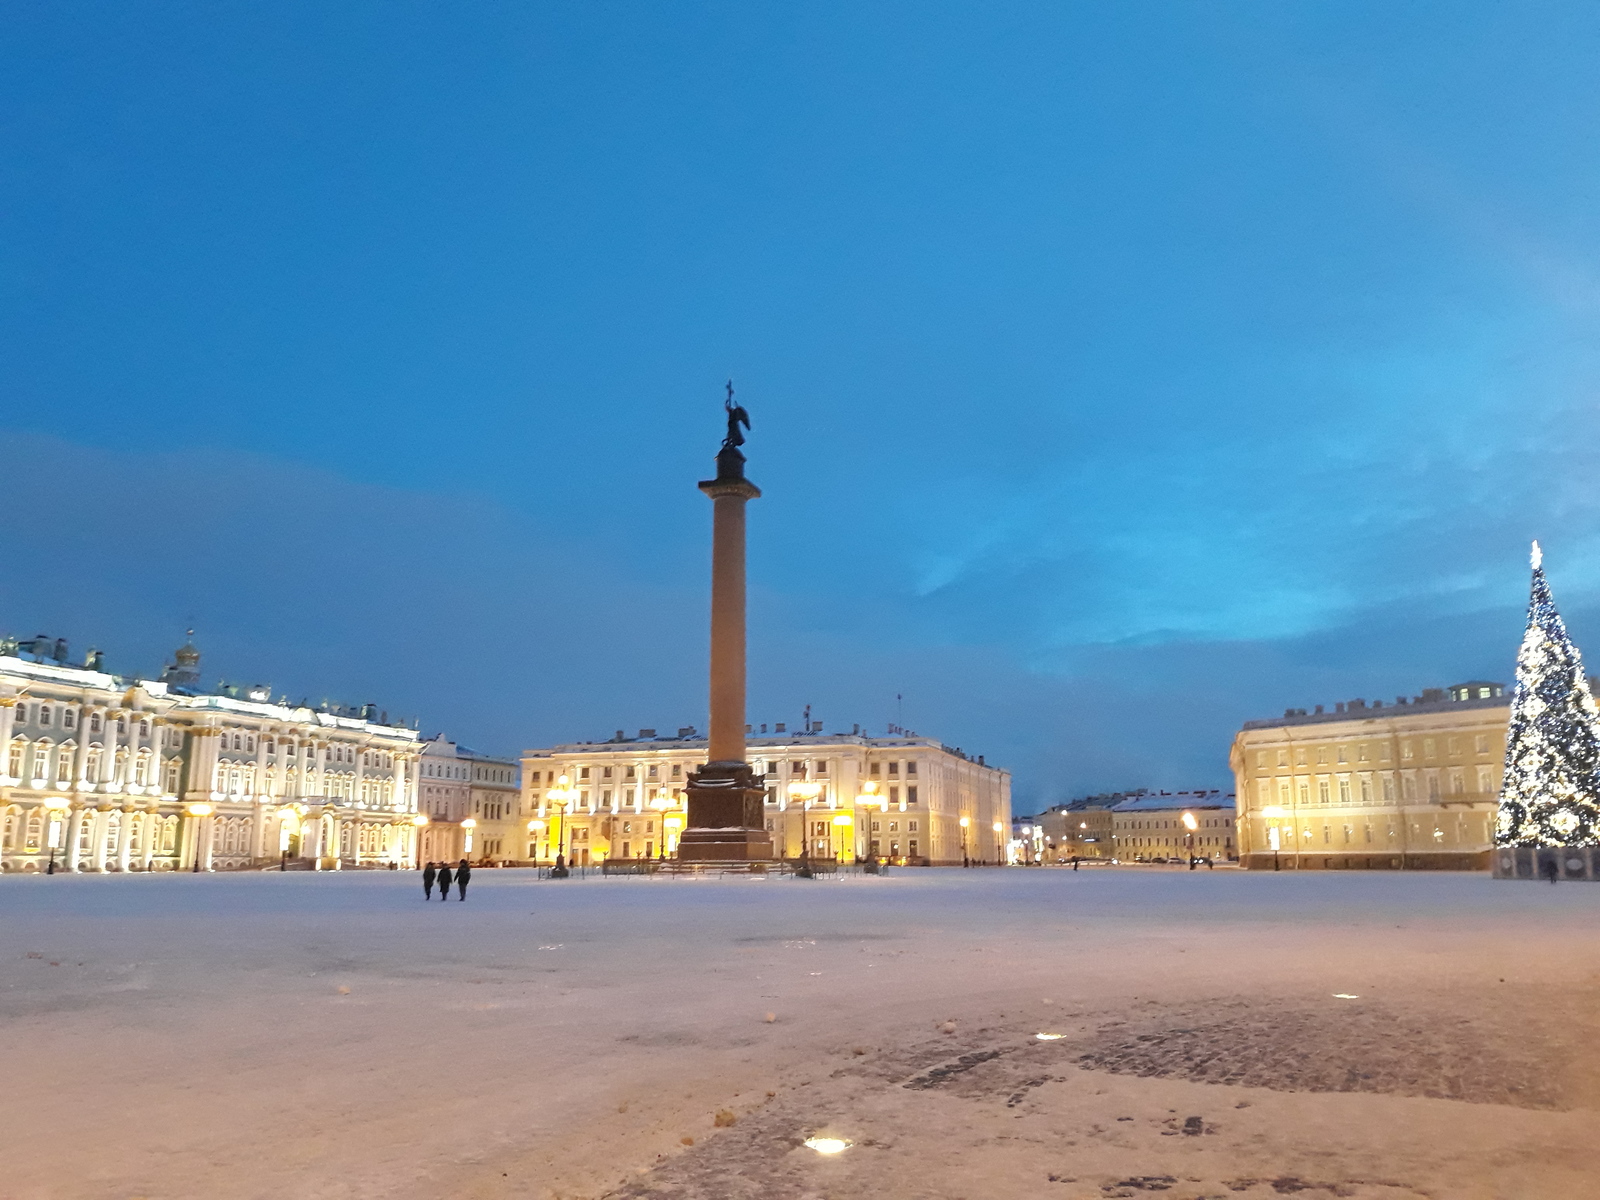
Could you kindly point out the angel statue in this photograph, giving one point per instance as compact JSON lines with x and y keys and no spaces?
{"x":736,"y":417}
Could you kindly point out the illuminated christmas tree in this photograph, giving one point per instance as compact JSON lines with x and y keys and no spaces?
{"x":1551,"y":792}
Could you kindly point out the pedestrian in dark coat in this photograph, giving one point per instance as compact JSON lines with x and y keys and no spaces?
{"x":444,"y":881}
{"x":463,"y":877}
{"x":427,"y":881}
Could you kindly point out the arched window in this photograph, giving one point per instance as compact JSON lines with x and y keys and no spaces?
{"x":18,"y":751}
{"x":8,"y":833}
{"x":64,"y":763}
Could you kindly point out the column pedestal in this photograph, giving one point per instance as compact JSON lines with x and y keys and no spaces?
{"x":725,"y":816}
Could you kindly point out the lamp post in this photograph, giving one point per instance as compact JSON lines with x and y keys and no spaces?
{"x":965,"y":861}
{"x":562,"y":794}
{"x":997,"y":851}
{"x":805,"y":792}
{"x":199,"y":812}
{"x":55,"y":806}
{"x":661,"y":803}
{"x":419,"y":822}
{"x":1190,"y":824}
{"x":669,"y":824}
{"x":1273,"y":812}
{"x":468,"y":824}
{"x":865,"y":799}
{"x":841,"y":822}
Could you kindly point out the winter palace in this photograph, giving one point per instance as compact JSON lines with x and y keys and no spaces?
{"x":104,"y":773}
{"x":837,"y":796}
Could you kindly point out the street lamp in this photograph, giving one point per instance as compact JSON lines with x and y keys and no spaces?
{"x":997,"y":843}
{"x":536,"y":827}
{"x":842,"y":822}
{"x":468,"y":824}
{"x":965,"y":861}
{"x":1273,"y":812}
{"x":805,"y":793}
{"x":669,"y":826}
{"x":55,"y":806}
{"x":199,"y":812}
{"x":419,"y":821}
{"x":661,"y":803}
{"x":866,"y":798}
{"x":562,"y":794}
{"x":1191,"y":825}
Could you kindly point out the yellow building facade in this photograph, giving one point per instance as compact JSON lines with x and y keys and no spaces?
{"x":1412,"y":785}
{"x":829,"y":796}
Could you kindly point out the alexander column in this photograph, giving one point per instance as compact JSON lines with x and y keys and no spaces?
{"x":725,"y":798}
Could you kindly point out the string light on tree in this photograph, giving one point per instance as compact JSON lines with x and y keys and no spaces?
{"x":1551,"y":793}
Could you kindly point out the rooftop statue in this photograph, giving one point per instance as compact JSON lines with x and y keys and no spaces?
{"x":736,"y":417}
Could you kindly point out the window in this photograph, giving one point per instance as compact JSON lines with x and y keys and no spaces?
{"x":44,"y":714}
{"x":605,"y":773}
{"x":1406,"y":751}
{"x":677,"y":770}
{"x":1453,"y":745}
{"x":822,"y":767}
{"x":911,"y":826}
{"x":1427,"y":747}
{"x":69,"y":718}
{"x":1481,"y":743}
{"x":797,"y":768}
{"x":1344,"y":791}
{"x":894,"y":769}
{"x":874,"y":769}
{"x":1261,"y":758}
{"x":1486,"y":779}
{"x":911,"y":794}
{"x":1322,"y":754}
{"x":1322,"y":791}
{"x":894,"y":795}
{"x":911,"y":767}
{"x":583,"y":772}
{"x":1344,"y":753}
{"x":653,"y":772}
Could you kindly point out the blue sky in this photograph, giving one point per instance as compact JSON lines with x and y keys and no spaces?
{"x":1118,"y":372}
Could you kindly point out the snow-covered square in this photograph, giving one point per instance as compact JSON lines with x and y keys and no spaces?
{"x":1107,"y":1032}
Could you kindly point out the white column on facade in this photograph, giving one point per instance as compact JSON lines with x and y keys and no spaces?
{"x":401,"y":795}
{"x":360,"y":771}
{"x":336,"y":831}
{"x":101,"y":827}
{"x":208,"y":838}
{"x":74,"y":829}
{"x":8,"y":718}
{"x":108,"y":755}
{"x":203,"y":749}
{"x":260,"y":788}
{"x":124,"y":838}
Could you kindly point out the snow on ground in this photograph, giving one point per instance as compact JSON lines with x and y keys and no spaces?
{"x":329,"y":1035}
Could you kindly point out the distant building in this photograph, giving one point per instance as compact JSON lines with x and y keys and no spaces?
{"x":844,"y":796}
{"x":1412,"y":785}
{"x":100,"y":772}
{"x":471,"y":801}
{"x":1081,"y":828}
{"x":1151,"y":827}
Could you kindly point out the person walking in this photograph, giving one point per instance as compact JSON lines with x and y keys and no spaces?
{"x":463,"y":877}
{"x":428,"y":874}
{"x":444,"y":881}
{"x":1550,"y":870}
